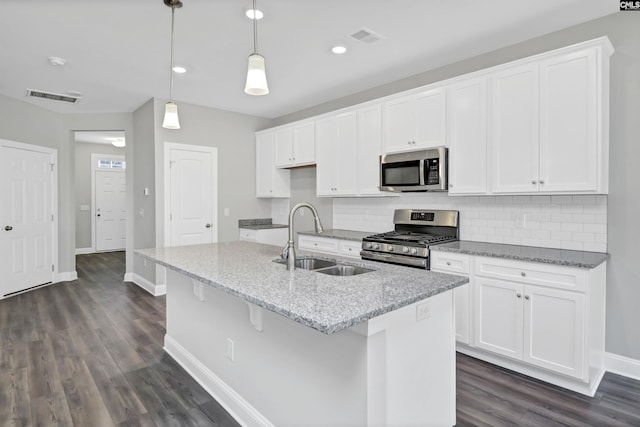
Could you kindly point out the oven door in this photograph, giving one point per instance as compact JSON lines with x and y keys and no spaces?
{"x":408,"y":261}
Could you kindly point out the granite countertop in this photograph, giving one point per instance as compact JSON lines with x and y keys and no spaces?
{"x":326,"y":303}
{"x":564,"y":257}
{"x":339,"y":234}
{"x":259,"y":224}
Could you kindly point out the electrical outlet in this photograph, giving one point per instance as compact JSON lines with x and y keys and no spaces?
{"x":423,"y":311}
{"x":226,"y":211}
{"x":230,"y":349}
{"x":520,"y":220}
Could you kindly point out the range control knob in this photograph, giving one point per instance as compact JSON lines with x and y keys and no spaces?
{"x":376,"y":246}
{"x":390,"y":248}
{"x":368,"y":245}
{"x":405,"y":249}
{"x":414,"y":251}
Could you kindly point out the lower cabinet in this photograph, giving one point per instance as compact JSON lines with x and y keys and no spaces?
{"x":269,"y":236}
{"x":330,"y":245}
{"x":542,"y":320}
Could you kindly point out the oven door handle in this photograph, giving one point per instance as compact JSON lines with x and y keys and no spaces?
{"x":396,"y":259}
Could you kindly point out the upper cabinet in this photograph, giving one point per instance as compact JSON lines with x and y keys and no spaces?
{"x":468,"y":136}
{"x":348,"y":147}
{"x":549,"y":124}
{"x":270,"y":181}
{"x":415,"y":121}
{"x":295,"y":145}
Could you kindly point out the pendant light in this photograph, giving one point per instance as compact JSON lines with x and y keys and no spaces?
{"x":171,"y":109}
{"x":256,"y":74}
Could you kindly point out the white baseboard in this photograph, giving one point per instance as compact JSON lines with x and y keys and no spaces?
{"x":146,"y":284}
{"x":65,"y":276}
{"x":83,"y":251}
{"x":622,"y":365}
{"x":230,"y":400}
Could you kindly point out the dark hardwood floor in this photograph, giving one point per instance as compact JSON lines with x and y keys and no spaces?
{"x":89,"y":353}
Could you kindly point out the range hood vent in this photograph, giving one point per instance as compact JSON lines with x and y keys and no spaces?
{"x":52,"y":96}
{"x":365,"y":35}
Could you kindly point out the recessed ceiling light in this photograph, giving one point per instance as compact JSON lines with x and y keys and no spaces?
{"x":57,"y":62}
{"x":178,"y":69}
{"x":258,"y":14}
{"x":338,"y":50}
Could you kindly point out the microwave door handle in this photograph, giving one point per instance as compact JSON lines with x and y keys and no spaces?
{"x":422,"y":180}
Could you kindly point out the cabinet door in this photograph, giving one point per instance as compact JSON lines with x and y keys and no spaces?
{"x":461,"y":302}
{"x":346,"y":155}
{"x":399,"y":125}
{"x":326,"y":153}
{"x":270,"y":181}
{"x":514,"y":130}
{"x":468,"y":137}
{"x":554,"y":328}
{"x":284,"y":147}
{"x":498,"y":317}
{"x":429,"y":112}
{"x":568,"y":123}
{"x":369,"y":149}
{"x":304,"y":146}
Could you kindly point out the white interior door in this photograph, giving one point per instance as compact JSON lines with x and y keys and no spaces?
{"x":26,"y":215}
{"x":110,"y":210}
{"x":192,"y":195}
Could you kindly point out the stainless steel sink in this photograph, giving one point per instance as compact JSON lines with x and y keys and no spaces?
{"x":344,"y":270}
{"x":309,"y":263}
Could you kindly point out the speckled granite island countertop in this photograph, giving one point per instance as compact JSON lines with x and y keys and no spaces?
{"x":259,"y":224}
{"x":325,"y":303}
{"x":339,"y":234}
{"x":563,"y":257}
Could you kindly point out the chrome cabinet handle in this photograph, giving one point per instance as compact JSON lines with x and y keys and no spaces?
{"x":526,"y":297}
{"x":541,"y":182}
{"x":448,"y":263}
{"x":523,"y":274}
{"x":208,"y":225}
{"x":8,"y":228}
{"x":519,"y":295}
{"x":534,"y":181}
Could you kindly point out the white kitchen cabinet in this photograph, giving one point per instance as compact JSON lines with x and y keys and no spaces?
{"x":549,"y":123}
{"x":269,"y":236}
{"x":468,"y":137}
{"x":542,"y":320}
{"x":295,"y":144}
{"x":270,"y":181}
{"x":336,"y":155}
{"x":415,"y":121}
{"x":369,"y":150}
{"x":330,"y":245}
{"x":458,"y":264}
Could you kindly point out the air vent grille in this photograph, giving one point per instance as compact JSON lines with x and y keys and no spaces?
{"x":52,"y":96}
{"x":365,"y":35}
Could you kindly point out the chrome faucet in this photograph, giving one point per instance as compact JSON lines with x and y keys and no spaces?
{"x":289,"y":252}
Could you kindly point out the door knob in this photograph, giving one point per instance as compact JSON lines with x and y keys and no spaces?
{"x":208,"y":225}
{"x":8,"y":228}
{"x":98,"y":215}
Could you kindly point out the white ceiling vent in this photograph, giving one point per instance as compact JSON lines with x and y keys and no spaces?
{"x":365,"y":35}
{"x":52,"y":96}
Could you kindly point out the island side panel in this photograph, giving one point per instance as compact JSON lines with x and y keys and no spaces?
{"x":286,"y":375}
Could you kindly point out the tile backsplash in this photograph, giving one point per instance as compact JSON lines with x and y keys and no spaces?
{"x":565,"y":222}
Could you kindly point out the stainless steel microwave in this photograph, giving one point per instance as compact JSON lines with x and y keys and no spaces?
{"x":424,"y":170}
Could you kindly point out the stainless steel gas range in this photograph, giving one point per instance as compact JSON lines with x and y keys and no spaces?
{"x":415,"y":230}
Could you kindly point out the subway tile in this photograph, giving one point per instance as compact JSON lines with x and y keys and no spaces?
{"x":569,"y":226}
{"x":595,"y":247}
{"x":576,"y":246}
{"x":595,"y":228}
{"x":583,"y":237}
{"x":561,"y":200}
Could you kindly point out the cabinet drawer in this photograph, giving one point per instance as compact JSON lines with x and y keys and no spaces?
{"x":350,"y":248}
{"x":321,"y":244}
{"x":551,"y":276}
{"x":248,"y":234}
{"x":446,"y":262}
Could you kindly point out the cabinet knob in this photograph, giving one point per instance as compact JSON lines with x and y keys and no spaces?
{"x":315,"y":244}
{"x":8,"y":228}
{"x":541,"y":182}
{"x":208,"y":225}
{"x":526,"y":297}
{"x":534,"y":182}
{"x":448,"y":263}
{"x":523,"y":274}
{"x":519,"y":295}
{"x":450,"y":185}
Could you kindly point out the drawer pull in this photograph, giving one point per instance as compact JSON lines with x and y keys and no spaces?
{"x":526,"y":297}
{"x":448,"y":263}
{"x":519,"y":295}
{"x":523,"y":274}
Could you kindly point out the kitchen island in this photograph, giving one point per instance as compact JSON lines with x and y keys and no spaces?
{"x":302,"y":348}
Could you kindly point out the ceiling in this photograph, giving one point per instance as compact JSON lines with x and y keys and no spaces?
{"x":117,"y":51}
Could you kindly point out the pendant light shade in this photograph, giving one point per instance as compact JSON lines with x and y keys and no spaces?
{"x":256,"y":76}
{"x":171,"y":116}
{"x":170,"y":120}
{"x":256,"y":73}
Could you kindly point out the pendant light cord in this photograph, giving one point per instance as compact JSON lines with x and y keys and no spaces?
{"x":255,"y":29}
{"x":173,"y":13}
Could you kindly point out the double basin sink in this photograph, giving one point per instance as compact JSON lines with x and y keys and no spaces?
{"x":324,"y":266}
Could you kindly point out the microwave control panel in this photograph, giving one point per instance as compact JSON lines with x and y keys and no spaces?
{"x":432,"y":172}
